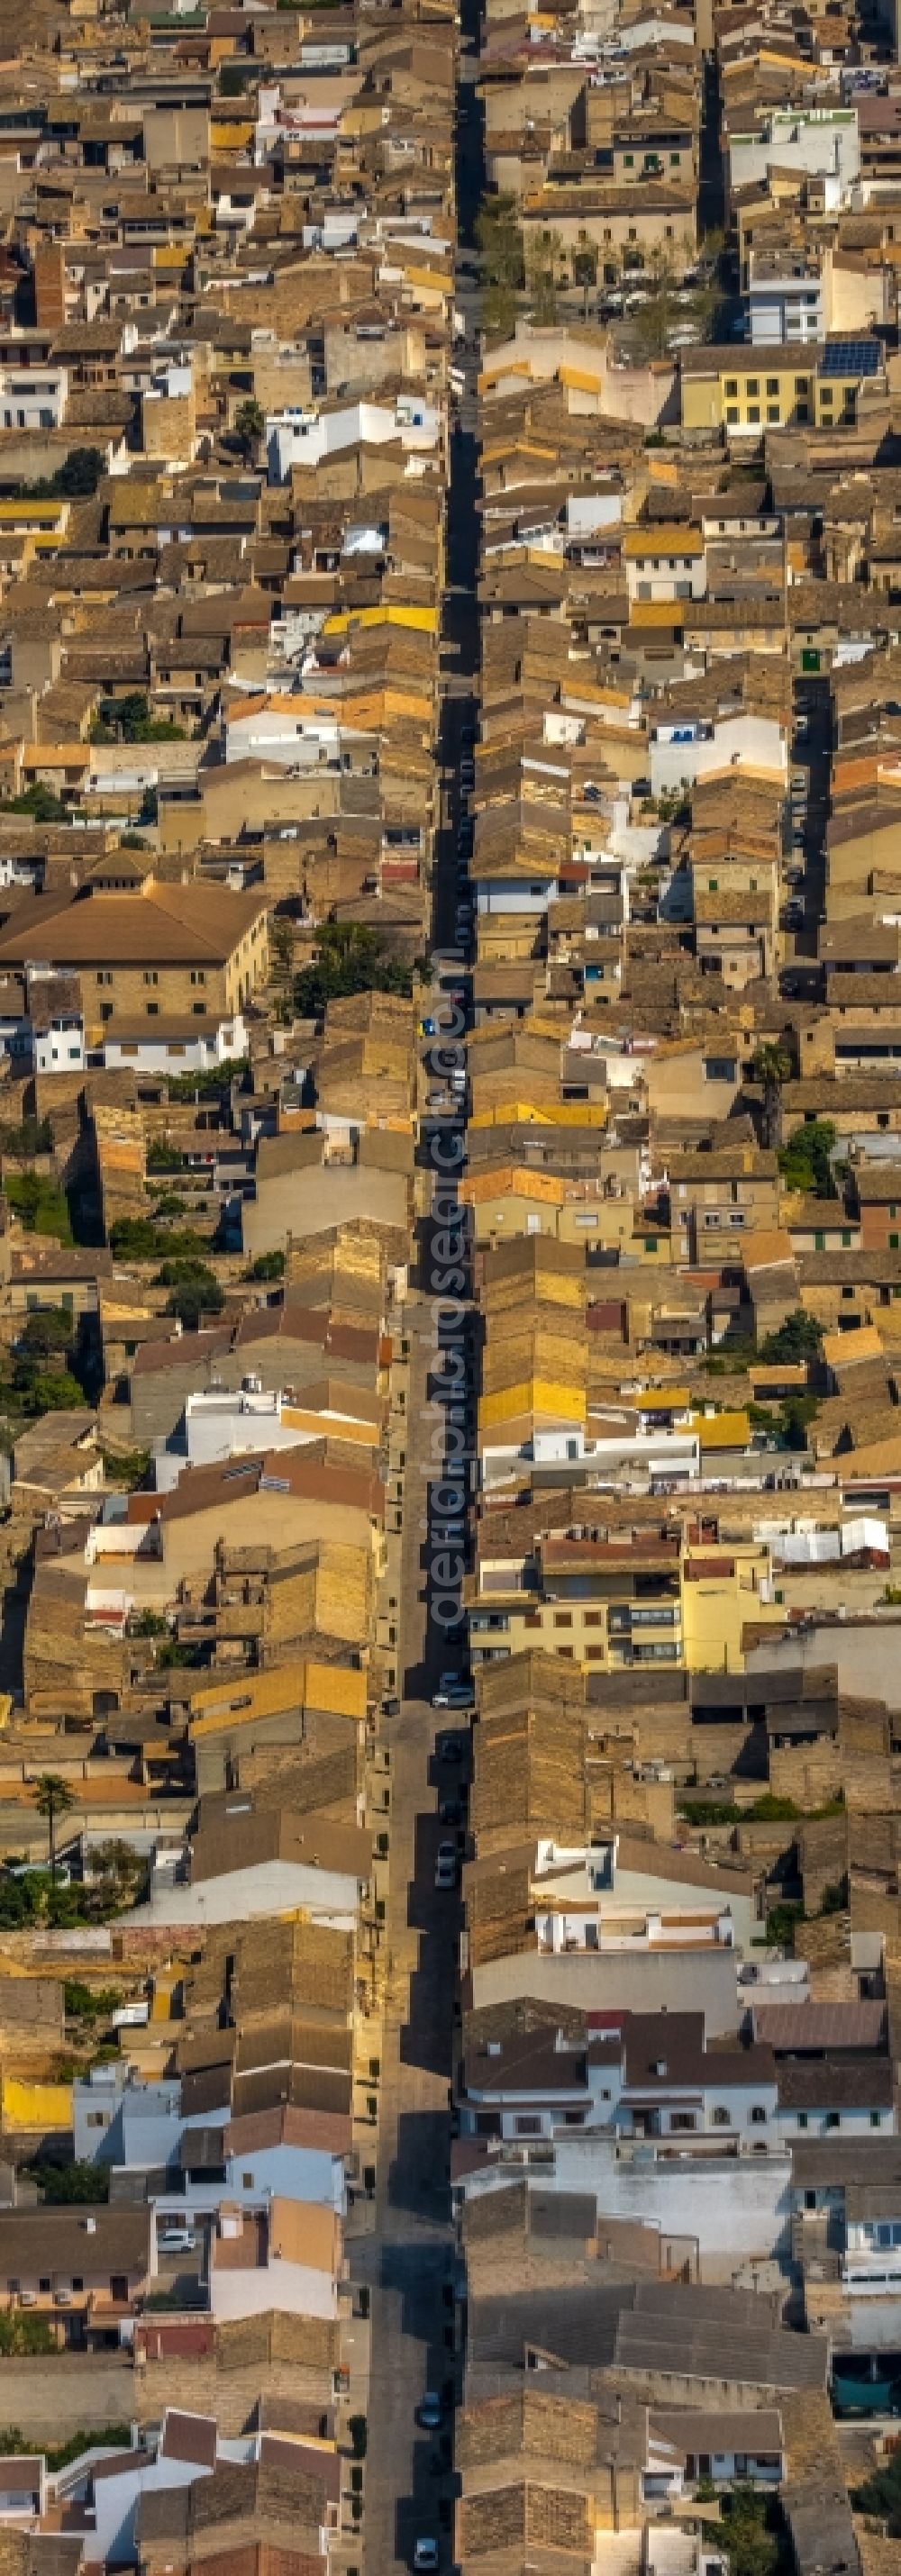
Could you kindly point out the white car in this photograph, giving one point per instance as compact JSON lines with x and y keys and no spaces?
{"x":175,"y":2240}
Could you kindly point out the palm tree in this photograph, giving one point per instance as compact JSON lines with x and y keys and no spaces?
{"x":52,"y":1797}
{"x":771,"y":1066}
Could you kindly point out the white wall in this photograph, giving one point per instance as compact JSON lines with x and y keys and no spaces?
{"x":295,"y":2287}
{"x":736,"y":2211}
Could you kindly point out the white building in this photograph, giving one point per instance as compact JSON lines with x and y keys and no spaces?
{"x":823,"y":141}
{"x":300,"y":437}
{"x":786,"y":298}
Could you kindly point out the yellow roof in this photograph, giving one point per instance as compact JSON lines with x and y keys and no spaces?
{"x":530,"y":1396}
{"x":663,"y":540}
{"x":657,"y":612}
{"x":49,"y":511}
{"x":660,"y":1399}
{"x":722,"y":1430}
{"x":423,"y":620}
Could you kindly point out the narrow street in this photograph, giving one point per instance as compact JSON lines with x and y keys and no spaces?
{"x":407,"y":2260}
{"x":409,"y":2255}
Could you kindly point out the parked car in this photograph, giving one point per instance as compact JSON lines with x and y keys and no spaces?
{"x":450,"y":1748}
{"x":459,"y":1696}
{"x":445,"y":1875}
{"x":425,"y":2555}
{"x":175,"y":2239}
{"x":430,"y":2414}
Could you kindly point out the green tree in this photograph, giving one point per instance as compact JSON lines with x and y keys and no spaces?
{"x":771,"y":1066}
{"x":195,"y":1292}
{"x":542,"y":265}
{"x":68,"y":2185}
{"x":40,"y":803}
{"x":249,"y":426}
{"x":40,"y":1205}
{"x":50,"y":1329}
{"x":799,"y":1338}
{"x":268,"y":1265}
{"x":163,"y":1155}
{"x":499,"y":242}
{"x":80,"y":474}
{"x":281,"y":963}
{"x":880,"y":2495}
{"x":351,"y":959}
{"x":751,"y":2547}
{"x":129,"y":719}
{"x":806,"y":1161}
{"x":49,"y":1391}
{"x":53,"y":1798}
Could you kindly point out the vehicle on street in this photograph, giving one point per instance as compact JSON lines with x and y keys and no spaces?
{"x":450,"y":1811}
{"x":446,"y":1874}
{"x":425,"y":2554}
{"x":175,"y":2240}
{"x":450,"y":1748}
{"x":430,"y":2413}
{"x":459,"y":1696}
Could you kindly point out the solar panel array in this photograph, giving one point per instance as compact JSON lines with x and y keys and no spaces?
{"x":850,"y":358}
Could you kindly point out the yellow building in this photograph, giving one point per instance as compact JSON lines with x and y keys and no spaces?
{"x":611,"y":1604}
{"x":749,"y":390}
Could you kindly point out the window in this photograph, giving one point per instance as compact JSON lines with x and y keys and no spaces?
{"x":719,"y":1068}
{"x":893,"y":1242}
{"x":247,"y":2181}
{"x":758,"y":2115}
{"x":720,"y":2117}
{"x":753,"y":411}
{"x":810,"y":2198}
{"x":563,"y":1618}
{"x":527,"y":2127}
{"x":150,"y":975}
{"x":753,"y":385}
{"x":731,"y":385}
{"x":198,"y":975}
{"x":731,"y":415}
{"x":104,"y":975}
{"x":833,"y":2120}
{"x":96,"y":2120}
{"x":772,"y":411}
{"x":44,"y":2283}
{"x":875,"y":2119}
{"x":772,"y":384}
{"x":77,"y":2281}
{"x":153,"y":1010}
{"x":106,"y":1010}
{"x":683,"y":2120}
